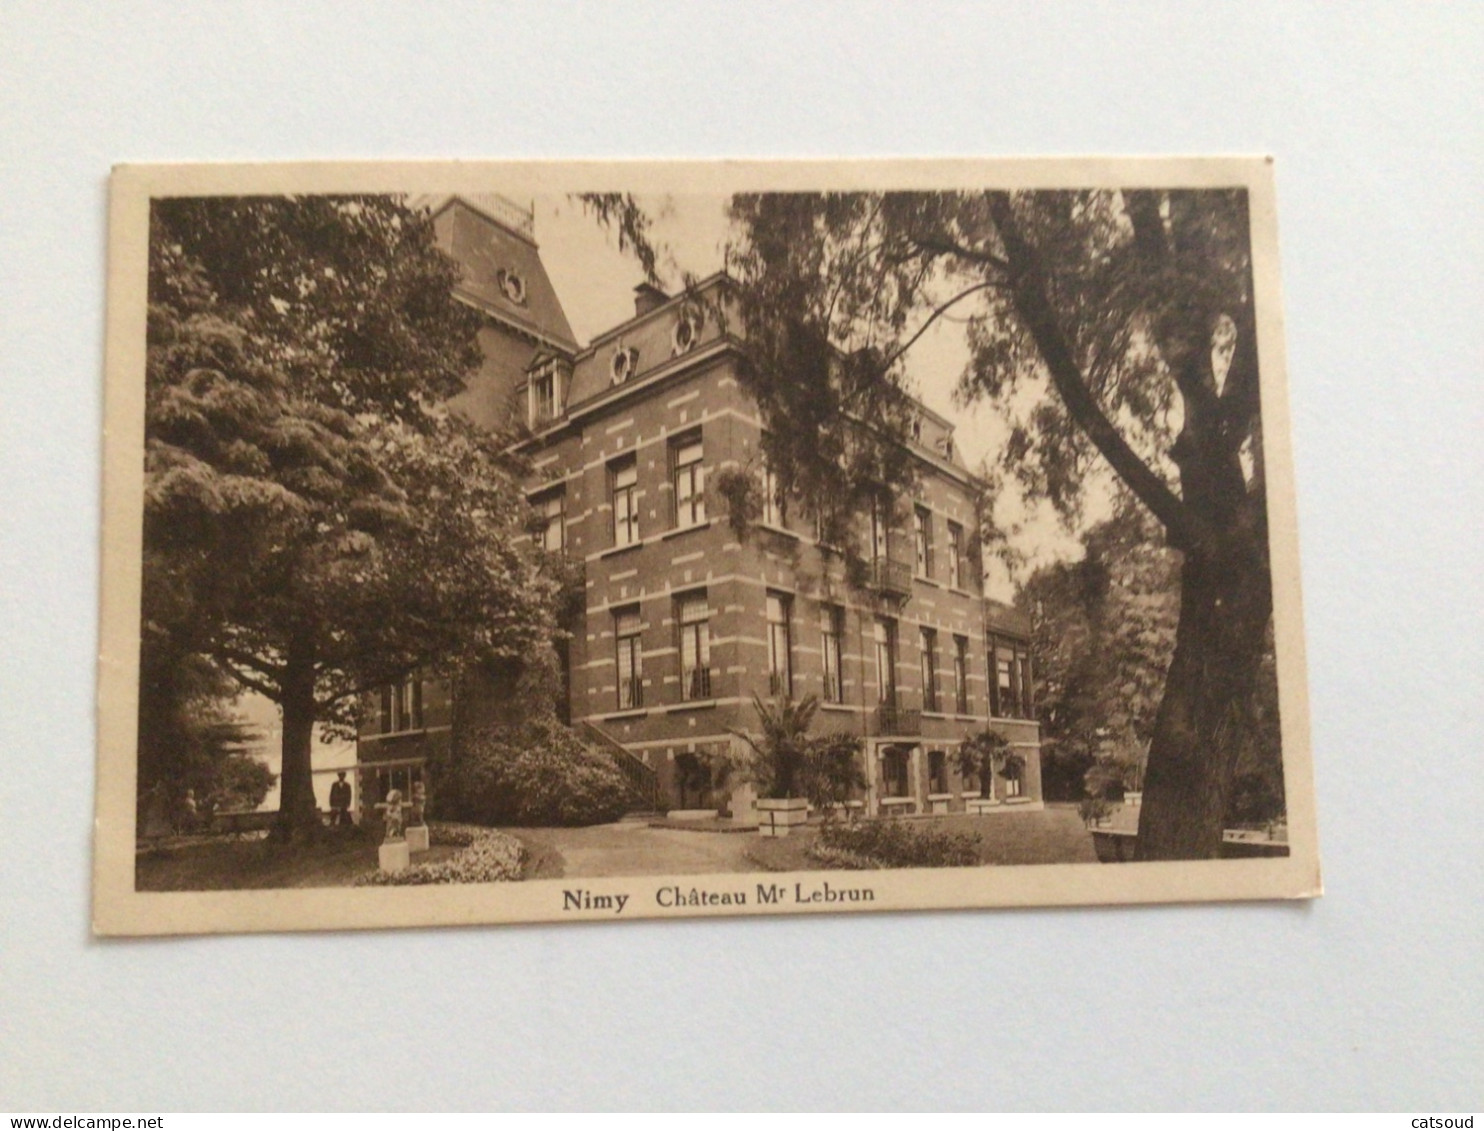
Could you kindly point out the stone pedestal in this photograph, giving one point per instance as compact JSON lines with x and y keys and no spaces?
{"x":417,"y":838}
{"x":393,"y":856}
{"x":982,"y":805}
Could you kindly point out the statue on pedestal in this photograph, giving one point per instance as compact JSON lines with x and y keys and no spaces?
{"x":394,"y":818}
{"x":419,"y":804}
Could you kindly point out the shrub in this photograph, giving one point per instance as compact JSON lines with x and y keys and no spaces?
{"x":894,"y":844}
{"x":539,"y":773}
{"x":487,"y":857}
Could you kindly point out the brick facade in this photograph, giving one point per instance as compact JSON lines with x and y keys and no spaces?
{"x":685,"y":619}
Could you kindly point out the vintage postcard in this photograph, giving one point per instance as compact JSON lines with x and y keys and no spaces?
{"x":510,"y":542}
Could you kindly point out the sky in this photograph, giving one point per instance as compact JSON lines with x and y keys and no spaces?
{"x":595,"y":282}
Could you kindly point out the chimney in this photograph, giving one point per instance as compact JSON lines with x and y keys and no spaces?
{"x":648,"y":297}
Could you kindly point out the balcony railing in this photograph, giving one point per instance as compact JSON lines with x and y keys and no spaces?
{"x":891,"y":576}
{"x":696,"y":683}
{"x":891,"y":719}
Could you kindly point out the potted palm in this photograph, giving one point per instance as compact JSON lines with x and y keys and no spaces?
{"x":791,"y":769}
{"x":983,"y":755}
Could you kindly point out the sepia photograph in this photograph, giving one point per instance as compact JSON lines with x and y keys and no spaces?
{"x":512,"y":542}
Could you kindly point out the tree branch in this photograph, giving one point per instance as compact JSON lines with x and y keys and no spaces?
{"x":248,"y":660}
{"x":935,"y":315}
{"x":940,"y":245}
{"x":252,"y":683}
{"x":1028,"y":291}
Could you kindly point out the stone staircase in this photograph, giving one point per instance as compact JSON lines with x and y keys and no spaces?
{"x":643,"y":782}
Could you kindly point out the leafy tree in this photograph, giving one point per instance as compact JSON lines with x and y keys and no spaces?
{"x":188,"y":737}
{"x":242,"y":782}
{"x":316,"y":523}
{"x":1104,"y":632}
{"x":1105,"y":325}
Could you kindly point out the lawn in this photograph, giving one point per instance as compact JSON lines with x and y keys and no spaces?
{"x":1052,"y":836}
{"x":235,"y":864}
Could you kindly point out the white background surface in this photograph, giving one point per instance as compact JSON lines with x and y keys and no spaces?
{"x":1371,"y":997}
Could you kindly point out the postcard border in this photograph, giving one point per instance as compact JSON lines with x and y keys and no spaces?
{"x":120,"y":910}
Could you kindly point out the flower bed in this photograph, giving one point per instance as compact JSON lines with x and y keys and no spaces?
{"x":487,"y":856}
{"x":893,"y":844}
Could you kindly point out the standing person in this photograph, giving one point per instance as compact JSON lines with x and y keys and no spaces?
{"x":189,"y":813}
{"x":340,"y":801}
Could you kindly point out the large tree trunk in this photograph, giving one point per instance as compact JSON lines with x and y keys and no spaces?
{"x":1225,"y":605}
{"x":298,"y":815}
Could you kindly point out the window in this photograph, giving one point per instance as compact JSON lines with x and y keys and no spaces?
{"x":929,"y":670}
{"x":780,"y":645}
{"x":624,"y":479}
{"x":956,"y":565}
{"x":545,"y":395}
{"x":401,"y":707}
{"x":880,"y":528}
{"x":895,"y":772}
{"x":774,"y":511}
{"x":1010,"y":683}
{"x":922,"y":535}
{"x":1014,"y":786}
{"x":626,"y":628}
{"x":1002,"y":663}
{"x":694,"y":617}
{"x":937,"y":771}
{"x":961,"y":674}
{"x":551,"y":515}
{"x":885,"y":635}
{"x":832,"y":629}
{"x":690,"y":482}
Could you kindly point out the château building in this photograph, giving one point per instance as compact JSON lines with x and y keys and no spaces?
{"x":685,"y":618}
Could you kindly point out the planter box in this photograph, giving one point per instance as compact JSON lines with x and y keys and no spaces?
{"x":1133,"y":797}
{"x":417,"y":838}
{"x":778,"y":817}
{"x":393,"y":856}
{"x":691,"y":814}
{"x":982,"y":805}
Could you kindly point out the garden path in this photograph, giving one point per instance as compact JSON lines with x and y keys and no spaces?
{"x":631,"y":848}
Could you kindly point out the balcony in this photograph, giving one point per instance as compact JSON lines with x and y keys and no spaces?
{"x":891,"y":719}
{"x":891,"y":577}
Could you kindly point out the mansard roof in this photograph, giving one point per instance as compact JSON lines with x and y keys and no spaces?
{"x":493,"y":239}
